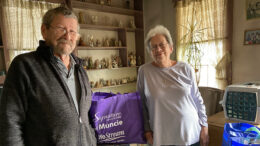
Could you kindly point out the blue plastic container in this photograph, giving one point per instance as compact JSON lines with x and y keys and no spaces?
{"x":237,"y":134}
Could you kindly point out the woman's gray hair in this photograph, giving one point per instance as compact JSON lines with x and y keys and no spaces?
{"x":158,"y":29}
{"x":50,"y":14}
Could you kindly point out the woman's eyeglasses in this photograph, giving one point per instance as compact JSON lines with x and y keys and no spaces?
{"x":161,"y":45}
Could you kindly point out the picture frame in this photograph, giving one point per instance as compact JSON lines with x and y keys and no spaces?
{"x":252,"y":9}
{"x":252,"y":37}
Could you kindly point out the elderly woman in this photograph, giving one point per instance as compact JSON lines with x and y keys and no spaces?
{"x":173,"y":109}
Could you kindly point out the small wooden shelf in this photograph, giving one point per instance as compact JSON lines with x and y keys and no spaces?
{"x":1,"y":47}
{"x":114,"y":86}
{"x":105,"y":8}
{"x":111,"y":68}
{"x":2,"y":79}
{"x":99,"y":27}
{"x":100,"y":48}
{"x":134,"y":29}
{"x":112,"y":28}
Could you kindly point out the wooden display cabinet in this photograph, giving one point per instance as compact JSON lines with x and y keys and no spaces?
{"x":122,"y":33}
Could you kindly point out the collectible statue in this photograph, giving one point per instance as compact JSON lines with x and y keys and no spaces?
{"x":132,"y":24}
{"x":139,"y":60}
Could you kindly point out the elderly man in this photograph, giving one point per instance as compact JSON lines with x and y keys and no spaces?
{"x":46,"y":95}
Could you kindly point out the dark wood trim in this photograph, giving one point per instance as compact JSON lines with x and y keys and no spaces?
{"x":5,"y":50}
{"x":110,"y":68}
{"x":229,"y":25}
{"x":104,"y":27}
{"x":100,"y":48}
{"x":2,"y":79}
{"x":104,"y":8}
{"x":123,"y":52}
{"x":114,"y":86}
{"x":51,"y":1}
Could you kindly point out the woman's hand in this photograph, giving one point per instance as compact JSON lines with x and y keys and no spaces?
{"x":204,"y":136}
{"x":149,"y":137}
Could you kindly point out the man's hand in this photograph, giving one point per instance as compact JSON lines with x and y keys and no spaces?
{"x":149,"y":137}
{"x":204,"y":136}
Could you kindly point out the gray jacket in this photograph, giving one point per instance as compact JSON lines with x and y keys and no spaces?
{"x":36,"y":107}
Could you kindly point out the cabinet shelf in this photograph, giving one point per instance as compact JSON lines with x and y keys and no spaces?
{"x":2,"y":79}
{"x":134,"y":29}
{"x":114,"y":86}
{"x":1,"y":47}
{"x":103,"y":27}
{"x":111,"y":68}
{"x":99,"y":48}
{"x":100,"y":27}
{"x":104,"y":8}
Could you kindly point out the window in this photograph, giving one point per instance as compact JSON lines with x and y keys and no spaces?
{"x":22,"y":24}
{"x":203,"y":24}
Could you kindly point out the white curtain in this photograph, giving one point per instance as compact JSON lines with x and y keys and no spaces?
{"x":22,"y":24}
{"x":209,"y":19}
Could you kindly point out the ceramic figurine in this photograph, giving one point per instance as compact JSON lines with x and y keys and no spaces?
{"x":114,"y":62}
{"x":81,"y":42}
{"x":124,"y":81}
{"x":81,"y":18}
{"x":94,"y":19}
{"x":131,"y":59}
{"x":110,"y":64}
{"x":103,"y":63}
{"x":97,"y":85}
{"x":113,"y":82}
{"x":102,"y":2}
{"x":90,"y":63}
{"x":132,"y":24}
{"x":118,"y":82}
{"x":119,"y":61}
{"x":108,"y":82}
{"x":112,"y":42}
{"x":91,"y":41}
{"x":98,"y":43}
{"x":120,"y":23}
{"x":139,"y":60}
{"x":116,"y":43}
{"x":119,"y":43}
{"x":97,"y":64}
{"x":134,"y":60}
{"x":131,"y":79}
{"x":102,"y":82}
{"x":91,"y":84}
{"x":109,"y":2}
{"x":85,"y":62}
{"x":106,"y":43}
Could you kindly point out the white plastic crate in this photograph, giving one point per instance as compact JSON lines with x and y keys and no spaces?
{"x":241,"y":102}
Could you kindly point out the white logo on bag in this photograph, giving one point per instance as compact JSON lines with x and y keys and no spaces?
{"x":112,"y":136}
{"x":96,"y":117}
{"x":112,"y":116}
{"x":109,"y":125}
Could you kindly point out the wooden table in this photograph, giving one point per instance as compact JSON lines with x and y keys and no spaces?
{"x":216,"y":127}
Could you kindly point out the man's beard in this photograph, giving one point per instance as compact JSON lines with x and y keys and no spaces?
{"x":60,"y":50}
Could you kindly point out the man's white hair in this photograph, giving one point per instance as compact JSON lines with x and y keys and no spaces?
{"x":158,"y":29}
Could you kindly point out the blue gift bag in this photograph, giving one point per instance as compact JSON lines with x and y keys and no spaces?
{"x":241,"y":134}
